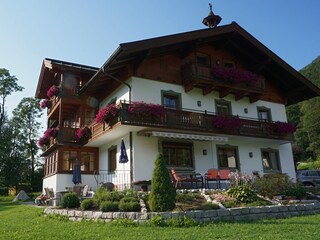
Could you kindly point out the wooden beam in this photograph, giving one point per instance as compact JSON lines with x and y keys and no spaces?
{"x":188,"y":87}
{"x":224,"y":92}
{"x":239,"y":95}
{"x":207,"y":90}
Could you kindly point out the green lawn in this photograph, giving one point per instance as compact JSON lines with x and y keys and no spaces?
{"x":19,"y":221}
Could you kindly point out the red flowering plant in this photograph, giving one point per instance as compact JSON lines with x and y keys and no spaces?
{"x":107,"y":113}
{"x":53,"y":91}
{"x":83,"y":134}
{"x":45,"y":103}
{"x":146,"y":109}
{"x":235,"y":75}
{"x":226,"y":122}
{"x":284,"y":127}
{"x":45,"y":139}
{"x":51,"y":132}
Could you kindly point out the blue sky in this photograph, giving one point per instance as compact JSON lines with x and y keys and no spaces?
{"x":89,"y":31}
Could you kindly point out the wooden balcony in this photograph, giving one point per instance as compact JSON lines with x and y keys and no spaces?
{"x":195,"y":76}
{"x":66,"y":136}
{"x":195,"y":122}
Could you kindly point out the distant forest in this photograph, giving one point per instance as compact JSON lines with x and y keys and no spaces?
{"x":306,"y":117}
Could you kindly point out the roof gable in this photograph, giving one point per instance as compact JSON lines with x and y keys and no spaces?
{"x":232,"y":37}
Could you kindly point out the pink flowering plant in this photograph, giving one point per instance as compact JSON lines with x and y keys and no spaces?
{"x":83,"y":134}
{"x":45,"y":103}
{"x":235,"y":75}
{"x":45,"y":139}
{"x":226,"y":122}
{"x":284,"y":127}
{"x":221,"y":197}
{"x":53,"y":91}
{"x":107,"y":113}
{"x":146,"y":109}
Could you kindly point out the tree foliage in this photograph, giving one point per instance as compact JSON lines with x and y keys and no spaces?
{"x":163,"y":194}
{"x":306,"y":116}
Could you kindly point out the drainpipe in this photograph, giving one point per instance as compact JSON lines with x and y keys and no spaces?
{"x":131,"y":158}
{"x":130,"y":134}
{"x":118,"y":80}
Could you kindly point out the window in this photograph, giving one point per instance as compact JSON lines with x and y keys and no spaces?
{"x":228,"y":157}
{"x":171,"y":99}
{"x":203,"y":60}
{"x":264,"y":114}
{"x":112,"y":156}
{"x":270,"y":160}
{"x":229,"y":64}
{"x":223,"y":107}
{"x":87,"y":161}
{"x":177,"y":154}
{"x":69,"y":158}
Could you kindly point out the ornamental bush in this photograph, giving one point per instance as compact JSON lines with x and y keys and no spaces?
{"x":87,"y":204}
{"x":70,"y":200}
{"x":243,"y":194}
{"x":163,"y":194}
{"x":108,"y":206}
{"x":272,"y":184}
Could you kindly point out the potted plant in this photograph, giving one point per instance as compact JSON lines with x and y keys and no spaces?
{"x":284,"y":127}
{"x":51,"y":132}
{"x":107,"y":114}
{"x":147,"y":111}
{"x":43,"y":141}
{"x":226,"y":122}
{"x":235,"y":75}
{"x":45,"y":103}
{"x":83,"y":134}
{"x":53,"y":91}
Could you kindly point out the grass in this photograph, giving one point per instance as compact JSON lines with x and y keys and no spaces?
{"x":20,"y":221}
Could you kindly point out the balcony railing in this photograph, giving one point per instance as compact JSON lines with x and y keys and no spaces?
{"x":194,"y":75}
{"x":66,"y":135}
{"x":196,"y":121}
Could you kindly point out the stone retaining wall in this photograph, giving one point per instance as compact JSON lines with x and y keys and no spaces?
{"x":232,"y":214}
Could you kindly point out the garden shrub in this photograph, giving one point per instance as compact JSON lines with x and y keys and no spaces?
{"x":272,"y":184}
{"x":100,"y":194}
{"x":296,"y":190}
{"x":87,"y":204}
{"x":230,"y":204}
{"x":209,"y":206}
{"x":157,"y":221}
{"x":242,"y":194}
{"x":163,"y":194}
{"x":108,"y":206}
{"x":70,"y":200}
{"x":129,"y":206}
{"x":183,"y":197}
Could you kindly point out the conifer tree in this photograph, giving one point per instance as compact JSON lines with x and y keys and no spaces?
{"x":163,"y":194}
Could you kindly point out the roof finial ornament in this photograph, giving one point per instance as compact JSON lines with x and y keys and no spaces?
{"x":211,"y":20}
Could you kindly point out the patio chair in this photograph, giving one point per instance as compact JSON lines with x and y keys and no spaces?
{"x":212,"y":176}
{"x":50,"y":196}
{"x":85,"y":194}
{"x":224,"y":175}
{"x":179,"y":179}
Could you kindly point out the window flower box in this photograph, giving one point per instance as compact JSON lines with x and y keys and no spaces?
{"x":235,"y":75}
{"x":43,"y":141}
{"x":83,"y":134}
{"x":45,"y":103}
{"x":284,"y":127}
{"x":53,"y":91}
{"x":107,"y":114}
{"x":226,"y":122}
{"x":147,"y":111}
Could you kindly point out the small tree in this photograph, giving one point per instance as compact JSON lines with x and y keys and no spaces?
{"x":163,"y":194}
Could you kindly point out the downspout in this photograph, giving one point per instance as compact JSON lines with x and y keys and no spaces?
{"x":130,"y":133}
{"x":118,"y":80}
